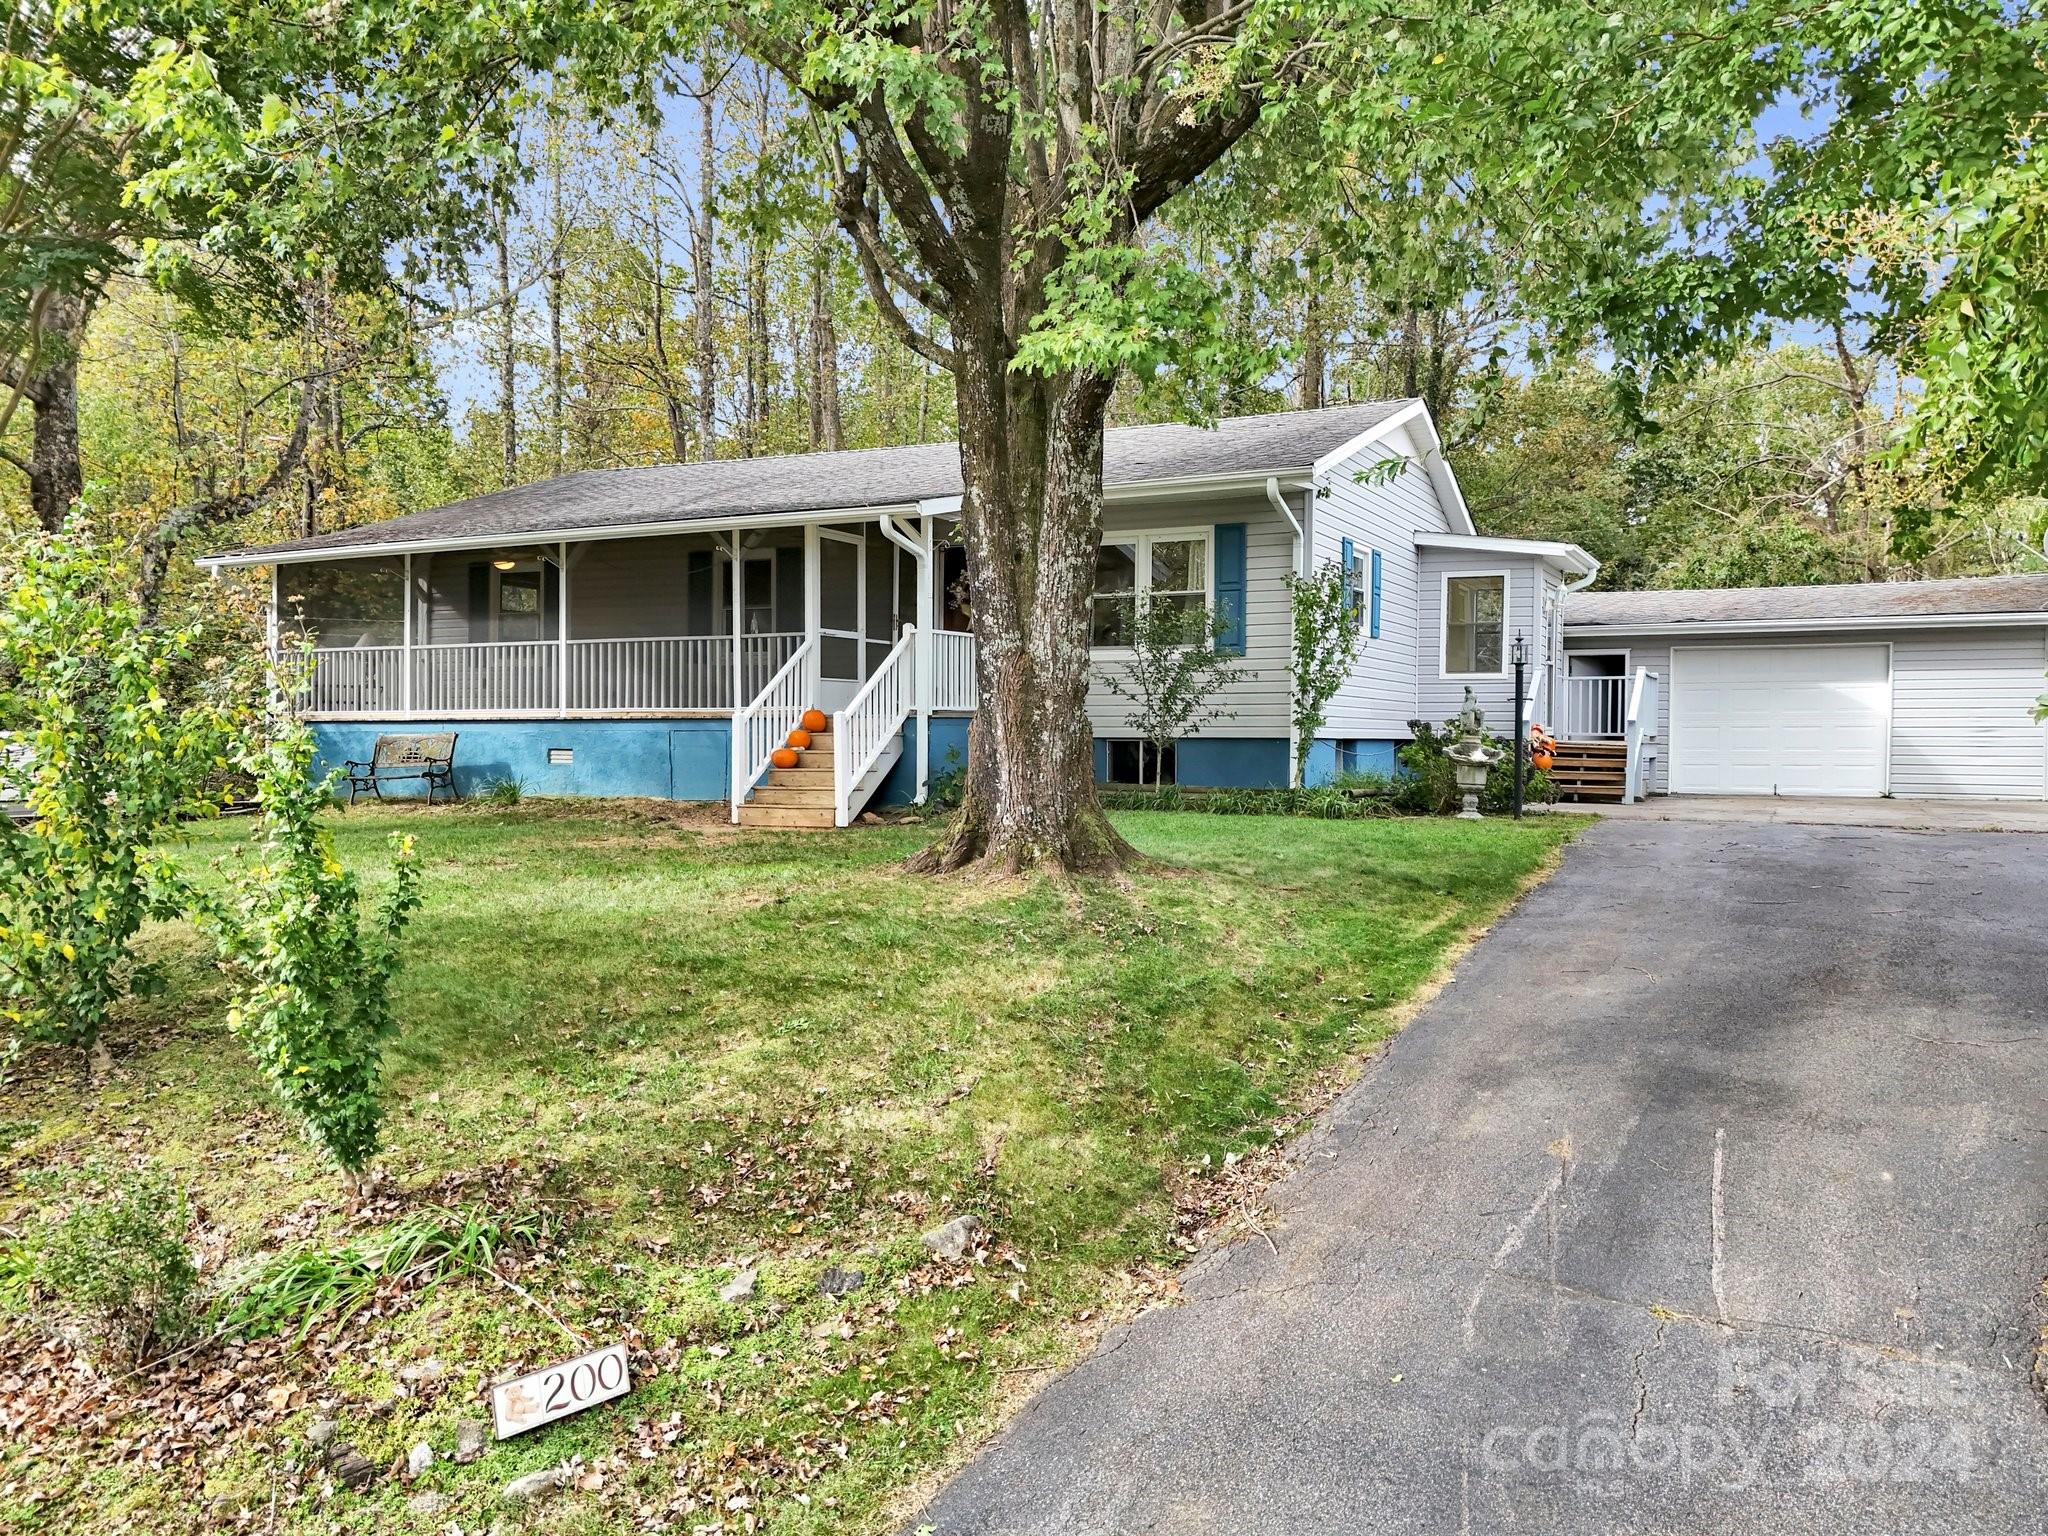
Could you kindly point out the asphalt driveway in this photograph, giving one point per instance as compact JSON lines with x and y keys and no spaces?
{"x":1711,"y":1196}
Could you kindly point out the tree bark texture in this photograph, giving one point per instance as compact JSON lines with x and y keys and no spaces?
{"x":959,"y":229}
{"x":56,"y":472}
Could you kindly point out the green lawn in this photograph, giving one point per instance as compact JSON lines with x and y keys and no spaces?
{"x":696,"y":1048}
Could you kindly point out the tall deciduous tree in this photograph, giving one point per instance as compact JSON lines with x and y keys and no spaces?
{"x":1000,"y":166}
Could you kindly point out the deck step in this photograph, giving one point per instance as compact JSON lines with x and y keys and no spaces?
{"x":776,"y":794}
{"x":810,"y":775}
{"x":755,"y":815}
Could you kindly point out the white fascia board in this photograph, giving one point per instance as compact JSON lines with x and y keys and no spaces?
{"x":558,"y":535}
{"x":1569,"y":555}
{"x":1859,"y":625}
{"x":1450,"y":496}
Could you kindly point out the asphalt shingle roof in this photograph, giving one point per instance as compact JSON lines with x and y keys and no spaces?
{"x":868,"y":477}
{"x":1905,"y":600}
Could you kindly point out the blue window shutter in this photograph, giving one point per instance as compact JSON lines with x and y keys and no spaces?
{"x":1375,"y":628}
{"x":1230,"y":581}
{"x":1347,"y":565}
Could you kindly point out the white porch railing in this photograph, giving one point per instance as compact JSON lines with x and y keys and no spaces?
{"x":1639,"y":731}
{"x":654,"y":674}
{"x":1595,"y":708}
{"x":862,"y":731}
{"x":765,"y":723}
{"x":501,"y":677}
{"x":359,"y":680}
{"x":955,"y":684}
{"x":1532,"y":700}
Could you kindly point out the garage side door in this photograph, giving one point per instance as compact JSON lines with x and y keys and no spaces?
{"x":1780,"y":719}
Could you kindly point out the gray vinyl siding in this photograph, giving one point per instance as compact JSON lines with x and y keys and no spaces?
{"x":1962,"y":705}
{"x":1258,"y":700}
{"x":1380,"y":697}
{"x":1441,"y":697}
{"x":1962,"y":714}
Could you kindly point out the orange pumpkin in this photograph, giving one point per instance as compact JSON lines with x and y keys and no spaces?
{"x":799,"y":738}
{"x":785,"y":757}
{"x":1544,"y":761}
{"x":814,"y":720}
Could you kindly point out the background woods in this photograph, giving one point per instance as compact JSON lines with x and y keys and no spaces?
{"x":654,"y":271}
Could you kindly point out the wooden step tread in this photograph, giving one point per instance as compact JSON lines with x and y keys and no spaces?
{"x":771,"y":794}
{"x":807,"y":775}
{"x":752,"y":815}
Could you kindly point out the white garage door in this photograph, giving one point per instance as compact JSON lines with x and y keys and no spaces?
{"x":1780,"y":719}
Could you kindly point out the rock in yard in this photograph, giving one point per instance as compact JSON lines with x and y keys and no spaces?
{"x":429,"y":1504}
{"x":841,"y":1282}
{"x":353,"y":1468}
{"x":534,"y":1484}
{"x":955,"y":1240}
{"x":741,"y":1286}
{"x":470,"y":1435}
{"x":423,"y":1370}
{"x":320,"y":1435}
{"x":418,"y":1459}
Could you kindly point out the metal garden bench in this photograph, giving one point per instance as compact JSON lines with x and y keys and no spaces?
{"x":405,"y":757}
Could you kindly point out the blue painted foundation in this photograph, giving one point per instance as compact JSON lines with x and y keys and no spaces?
{"x":689,"y":758}
{"x":662,"y":759}
{"x":949,"y":738}
{"x":1261,"y":762}
{"x":1327,"y":758}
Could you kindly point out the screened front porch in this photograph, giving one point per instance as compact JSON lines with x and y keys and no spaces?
{"x":670,"y":625}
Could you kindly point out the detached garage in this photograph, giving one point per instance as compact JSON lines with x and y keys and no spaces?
{"x":1909,"y":688}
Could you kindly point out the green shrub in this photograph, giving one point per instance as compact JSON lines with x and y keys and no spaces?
{"x":1428,"y":780}
{"x":947,"y":787}
{"x":313,"y":988}
{"x":117,"y":1265}
{"x":113,"y":762}
{"x":1325,"y":803}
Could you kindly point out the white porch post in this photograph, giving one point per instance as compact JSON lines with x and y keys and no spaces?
{"x":814,"y":600}
{"x":735,"y":600}
{"x":405,"y":654}
{"x":927,"y":626}
{"x":562,"y":629}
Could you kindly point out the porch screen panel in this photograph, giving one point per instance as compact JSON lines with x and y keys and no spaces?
{"x":880,"y":625}
{"x":346,"y":604}
{"x":839,"y":567}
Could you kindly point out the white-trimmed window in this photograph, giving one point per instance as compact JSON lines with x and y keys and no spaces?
{"x":516,"y":588}
{"x":1173,"y":566}
{"x":1475,"y":621}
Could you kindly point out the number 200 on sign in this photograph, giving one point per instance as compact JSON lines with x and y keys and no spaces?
{"x":557,"y":1391}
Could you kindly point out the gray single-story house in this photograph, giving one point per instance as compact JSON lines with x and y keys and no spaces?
{"x":659,"y":631}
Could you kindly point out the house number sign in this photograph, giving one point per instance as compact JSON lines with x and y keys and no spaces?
{"x":556,"y":1391}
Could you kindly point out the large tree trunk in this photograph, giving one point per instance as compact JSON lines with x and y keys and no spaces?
{"x":1031,"y":457}
{"x":704,"y":235}
{"x":56,"y":473}
{"x":824,"y":346}
{"x":508,"y":397}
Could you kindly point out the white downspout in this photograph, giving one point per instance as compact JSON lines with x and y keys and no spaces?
{"x":921,"y":647}
{"x":1300,"y":555}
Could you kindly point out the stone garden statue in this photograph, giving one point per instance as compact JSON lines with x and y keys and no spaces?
{"x":1471,"y":759}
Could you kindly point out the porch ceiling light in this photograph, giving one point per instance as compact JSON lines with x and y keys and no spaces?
{"x":504,"y":565}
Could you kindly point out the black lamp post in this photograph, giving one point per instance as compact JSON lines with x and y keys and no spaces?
{"x":1520,"y":655}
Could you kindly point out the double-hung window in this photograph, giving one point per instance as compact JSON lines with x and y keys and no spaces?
{"x":1475,"y":623}
{"x":1150,"y":569}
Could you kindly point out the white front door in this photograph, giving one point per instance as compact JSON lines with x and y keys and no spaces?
{"x":1780,"y":719}
{"x":842,"y":599}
